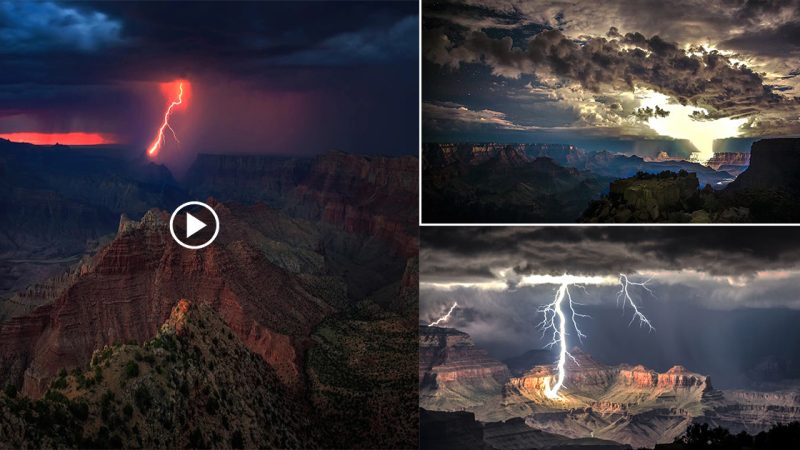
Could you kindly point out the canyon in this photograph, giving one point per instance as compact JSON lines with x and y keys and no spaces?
{"x":313,"y":273}
{"x":623,"y":404}
{"x":498,"y":183}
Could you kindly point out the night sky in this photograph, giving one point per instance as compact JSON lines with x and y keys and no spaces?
{"x":724,"y":299}
{"x":266,"y":77}
{"x":600,"y":72}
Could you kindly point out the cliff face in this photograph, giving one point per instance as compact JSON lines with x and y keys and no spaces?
{"x":453,"y":373}
{"x":731,"y":162}
{"x":770,"y":187}
{"x":376,"y":196}
{"x":193,"y":385}
{"x":631,"y":405}
{"x":774,"y":164}
{"x":368,"y":195}
{"x":125,"y":292}
{"x":648,"y":198}
{"x":525,"y":183}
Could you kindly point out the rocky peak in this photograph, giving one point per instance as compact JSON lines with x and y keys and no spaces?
{"x":450,"y":362}
{"x":266,"y":306}
{"x":774,"y":164}
{"x":728,"y":159}
{"x":176,"y":322}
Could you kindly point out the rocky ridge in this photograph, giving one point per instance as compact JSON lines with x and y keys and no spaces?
{"x":625,"y":404}
{"x":193,"y":385}
{"x":141,"y":269}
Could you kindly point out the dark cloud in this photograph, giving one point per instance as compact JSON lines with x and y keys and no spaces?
{"x":36,"y":27}
{"x":733,"y":58}
{"x":704,"y":78}
{"x":719,"y":251}
{"x":648,"y":113}
{"x":782,"y":41}
{"x":270,"y":77}
{"x":723,"y":298}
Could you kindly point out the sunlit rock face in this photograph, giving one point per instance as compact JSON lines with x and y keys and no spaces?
{"x":454,"y":373}
{"x":727,"y":160}
{"x":628,"y":404}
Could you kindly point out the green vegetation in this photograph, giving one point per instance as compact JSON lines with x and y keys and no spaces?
{"x":143,"y":398}
{"x":702,"y":436}
{"x":132,"y":369}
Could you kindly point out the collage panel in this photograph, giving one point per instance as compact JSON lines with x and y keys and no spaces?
{"x":609,"y":337}
{"x":619,"y":111}
{"x":208,"y":225}
{"x":249,"y":224}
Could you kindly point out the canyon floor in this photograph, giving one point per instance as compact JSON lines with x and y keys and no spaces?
{"x":467,"y":396}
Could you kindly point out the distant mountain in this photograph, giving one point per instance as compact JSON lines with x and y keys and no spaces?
{"x":625,"y":404}
{"x":497,"y":183}
{"x":506,"y":187}
{"x":372,"y":195}
{"x":58,"y":202}
{"x":767,"y":191}
{"x":732,"y":162}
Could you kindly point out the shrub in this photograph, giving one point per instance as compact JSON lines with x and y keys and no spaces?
{"x":212,"y":406}
{"x":143,"y":398}
{"x":80,"y":410}
{"x":237,"y":440}
{"x":132,"y":369}
{"x":196,"y":439}
{"x":10,"y":390}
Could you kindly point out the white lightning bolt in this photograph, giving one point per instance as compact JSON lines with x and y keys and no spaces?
{"x":555,"y":318}
{"x":445,"y":317}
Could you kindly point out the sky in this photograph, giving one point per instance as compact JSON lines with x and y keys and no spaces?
{"x":265,"y":77}
{"x":601,"y":71}
{"x":724,"y":299}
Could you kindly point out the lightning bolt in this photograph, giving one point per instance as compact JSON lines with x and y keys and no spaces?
{"x":445,"y":317}
{"x":555,"y":320}
{"x":160,"y":138}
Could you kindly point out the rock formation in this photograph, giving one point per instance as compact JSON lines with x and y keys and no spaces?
{"x":455,"y":374}
{"x":731,"y":162}
{"x":125,"y":295}
{"x":192,"y":385}
{"x":625,"y":404}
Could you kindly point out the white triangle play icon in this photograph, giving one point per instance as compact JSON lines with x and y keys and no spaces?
{"x":193,"y":225}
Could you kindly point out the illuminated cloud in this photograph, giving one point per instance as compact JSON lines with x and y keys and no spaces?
{"x":719,"y":60}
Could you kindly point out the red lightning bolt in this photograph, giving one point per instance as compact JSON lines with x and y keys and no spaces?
{"x":159,"y":140}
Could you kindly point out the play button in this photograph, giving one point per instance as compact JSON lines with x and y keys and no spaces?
{"x":193,"y":225}
{"x":197,"y":225}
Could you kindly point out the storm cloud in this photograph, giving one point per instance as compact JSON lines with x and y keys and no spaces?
{"x":288,"y":78}
{"x":723,"y":298}
{"x":697,"y":76}
{"x":735,"y":59}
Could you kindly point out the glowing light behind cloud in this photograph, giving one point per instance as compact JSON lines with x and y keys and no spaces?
{"x":679,"y":125}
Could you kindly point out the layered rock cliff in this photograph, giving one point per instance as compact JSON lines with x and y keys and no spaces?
{"x":731,"y":162}
{"x":453,"y":373}
{"x":126,"y":291}
{"x":626,"y":404}
{"x":194,"y":385}
{"x":368,"y":195}
{"x":770,"y":187}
